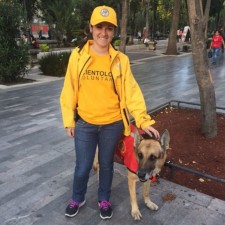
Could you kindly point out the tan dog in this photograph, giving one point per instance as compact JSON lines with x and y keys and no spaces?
{"x":150,"y":155}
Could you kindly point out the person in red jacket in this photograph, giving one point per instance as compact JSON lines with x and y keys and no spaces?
{"x":216,"y":44}
{"x":34,"y":42}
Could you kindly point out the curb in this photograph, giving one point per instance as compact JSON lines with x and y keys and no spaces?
{"x":35,"y":75}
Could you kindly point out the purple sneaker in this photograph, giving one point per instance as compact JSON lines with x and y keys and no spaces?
{"x":105,"y":209}
{"x":73,"y":208}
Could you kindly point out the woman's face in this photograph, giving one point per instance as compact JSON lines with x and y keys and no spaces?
{"x":102,"y":34}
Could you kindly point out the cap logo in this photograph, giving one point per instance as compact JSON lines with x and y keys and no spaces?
{"x":104,"y":12}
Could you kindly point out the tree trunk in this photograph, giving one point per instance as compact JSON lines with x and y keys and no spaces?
{"x":147,"y":18}
{"x":172,"y":43}
{"x":123,"y":34}
{"x":202,"y":70}
{"x":207,"y":9}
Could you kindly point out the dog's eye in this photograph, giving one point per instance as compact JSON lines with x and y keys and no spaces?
{"x":152,"y":157}
{"x":140,"y":155}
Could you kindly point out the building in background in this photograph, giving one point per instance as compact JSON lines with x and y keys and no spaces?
{"x":39,"y":29}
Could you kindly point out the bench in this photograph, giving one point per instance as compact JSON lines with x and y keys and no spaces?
{"x":50,"y":43}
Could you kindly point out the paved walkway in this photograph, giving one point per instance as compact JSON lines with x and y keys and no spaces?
{"x":37,"y":157}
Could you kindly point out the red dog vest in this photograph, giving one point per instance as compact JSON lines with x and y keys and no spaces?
{"x":125,"y":151}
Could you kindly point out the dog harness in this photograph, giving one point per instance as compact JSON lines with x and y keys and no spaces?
{"x":125,"y":153}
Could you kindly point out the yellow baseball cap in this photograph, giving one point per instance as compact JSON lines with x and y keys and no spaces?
{"x":103,"y":14}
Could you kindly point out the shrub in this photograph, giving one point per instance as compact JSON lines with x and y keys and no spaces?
{"x":44,"y":47}
{"x":54,"y":64}
{"x":13,"y":64}
{"x":14,"y":58}
{"x":116,"y":40}
{"x":116,"y":43}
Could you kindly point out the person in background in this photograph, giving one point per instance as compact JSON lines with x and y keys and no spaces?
{"x":216,"y":44}
{"x":180,"y":34}
{"x":49,"y":34}
{"x":188,"y":36}
{"x":40,"y":34}
{"x":24,"y":38}
{"x":98,"y":94}
{"x":139,"y":35}
{"x":34,"y":42}
{"x":145,"y":35}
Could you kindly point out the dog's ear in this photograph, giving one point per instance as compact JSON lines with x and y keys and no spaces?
{"x":165,"y":139}
{"x":137,"y":138}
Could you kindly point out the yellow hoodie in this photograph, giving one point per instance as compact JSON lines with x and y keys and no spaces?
{"x":129,"y":92}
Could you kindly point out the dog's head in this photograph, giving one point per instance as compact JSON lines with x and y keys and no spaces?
{"x":150,"y":154}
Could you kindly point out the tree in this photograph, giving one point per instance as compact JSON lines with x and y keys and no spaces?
{"x":164,"y":15}
{"x":215,"y":10}
{"x":207,"y":9}
{"x":72,"y":17}
{"x":172,"y":43}
{"x":134,"y":8}
{"x":146,"y":7}
{"x":30,"y":8}
{"x":13,"y":57}
{"x":203,"y":75}
{"x":123,"y":34}
{"x":61,"y":15}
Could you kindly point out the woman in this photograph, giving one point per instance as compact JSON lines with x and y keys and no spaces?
{"x":100,"y":90}
{"x":216,"y":44}
{"x":24,"y":38}
{"x":34,"y":42}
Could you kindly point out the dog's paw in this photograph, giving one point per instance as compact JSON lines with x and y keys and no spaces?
{"x":151,"y":205}
{"x":136,"y":214}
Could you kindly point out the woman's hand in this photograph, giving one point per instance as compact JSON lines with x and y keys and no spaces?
{"x":152,"y":131}
{"x":70,"y":131}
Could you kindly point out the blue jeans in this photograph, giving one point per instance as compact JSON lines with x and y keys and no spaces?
{"x":87,"y":137}
{"x":215,"y":53}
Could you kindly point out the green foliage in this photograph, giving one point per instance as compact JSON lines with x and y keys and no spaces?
{"x":30,"y":7}
{"x":216,"y":7}
{"x":44,"y":47}
{"x":54,"y":64}
{"x":71,"y":15}
{"x":116,"y":43}
{"x":165,"y":9}
{"x":13,"y":57}
{"x":116,"y":40}
{"x":62,"y":16}
{"x":75,"y":14}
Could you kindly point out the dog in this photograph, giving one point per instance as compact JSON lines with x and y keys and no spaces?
{"x":149,"y":155}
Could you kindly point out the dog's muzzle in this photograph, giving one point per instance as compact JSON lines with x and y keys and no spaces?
{"x":141,"y":176}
